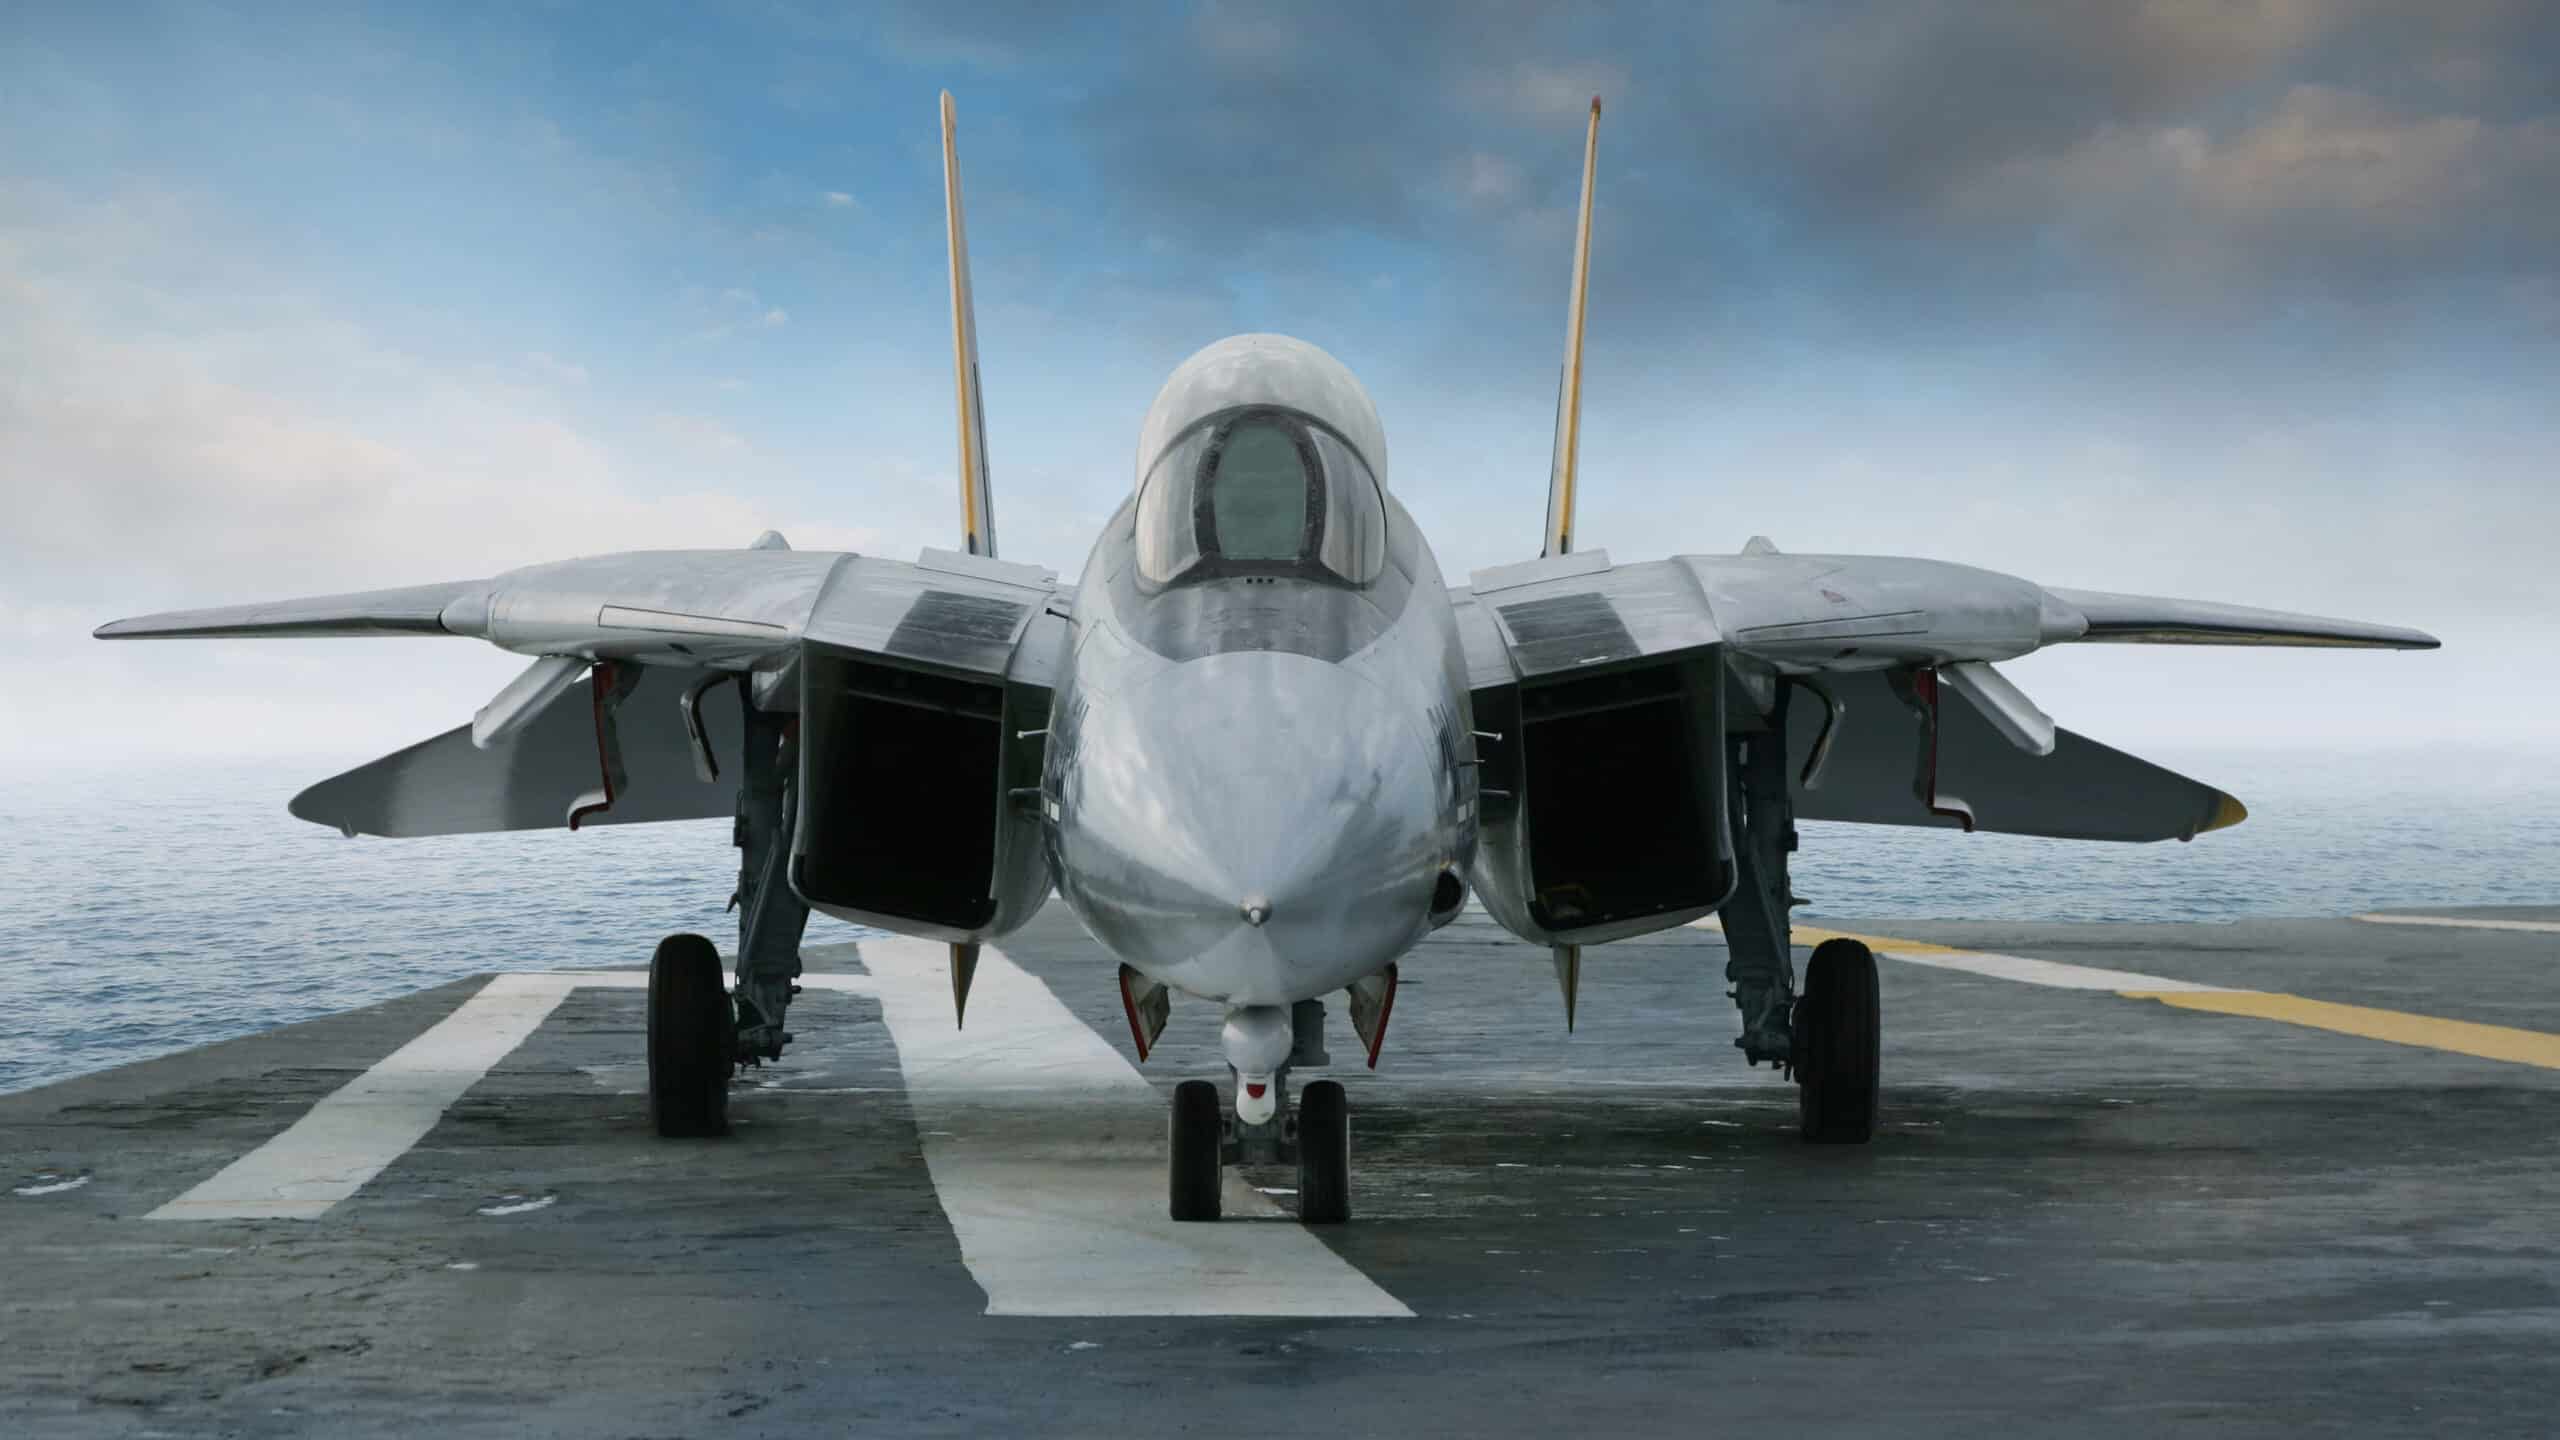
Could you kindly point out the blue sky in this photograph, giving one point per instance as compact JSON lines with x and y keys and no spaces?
{"x":2255,"y":302}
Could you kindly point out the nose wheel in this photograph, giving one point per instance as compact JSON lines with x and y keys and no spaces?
{"x":1324,"y":1154}
{"x":1203,"y":1138}
{"x":1198,"y":1132}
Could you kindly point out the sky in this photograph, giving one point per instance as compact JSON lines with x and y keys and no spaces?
{"x":2256,"y":302}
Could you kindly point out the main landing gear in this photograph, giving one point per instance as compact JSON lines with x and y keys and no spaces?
{"x":1826,"y":1035}
{"x":1263,"y":1044}
{"x":699,"y":1031}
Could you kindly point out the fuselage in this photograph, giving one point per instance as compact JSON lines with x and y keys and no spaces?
{"x":1258,"y":783}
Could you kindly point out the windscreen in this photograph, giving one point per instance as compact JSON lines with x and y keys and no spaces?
{"x":1260,"y":491}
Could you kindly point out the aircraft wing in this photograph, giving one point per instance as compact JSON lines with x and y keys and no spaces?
{"x":1865,"y":642}
{"x":721,"y":607}
{"x":413,"y":610}
{"x":1821,"y":613}
{"x":652,"y":631}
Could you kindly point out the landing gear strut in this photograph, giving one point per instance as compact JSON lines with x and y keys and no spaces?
{"x":1826,"y":1035}
{"x":1263,"y":1044}
{"x":699,"y":1032}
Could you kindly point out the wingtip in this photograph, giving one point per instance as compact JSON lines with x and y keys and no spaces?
{"x":2227,"y":812}
{"x":1595,"y":106}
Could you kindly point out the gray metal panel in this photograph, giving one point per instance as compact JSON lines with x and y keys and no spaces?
{"x":1850,"y":612}
{"x":411,"y":610}
{"x":1563,"y":632}
{"x":446,"y":786}
{"x":1544,"y":567}
{"x":938,"y":618}
{"x":683,"y":607}
{"x":2082,"y":791}
{"x":1573,"y":622}
{"x":1488,"y":656}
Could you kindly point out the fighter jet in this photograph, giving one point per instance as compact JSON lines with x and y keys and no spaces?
{"x":1261,"y":746}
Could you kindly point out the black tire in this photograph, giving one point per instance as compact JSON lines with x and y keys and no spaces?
{"x":1837,"y":1021}
{"x":1198,"y":1119}
{"x":1324,"y":1154}
{"x":692,"y":1032}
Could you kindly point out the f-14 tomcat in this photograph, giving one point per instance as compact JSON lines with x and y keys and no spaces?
{"x":1261,"y":746}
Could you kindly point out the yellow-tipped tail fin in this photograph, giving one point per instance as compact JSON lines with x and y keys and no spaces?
{"x":1560,"y":475}
{"x":977,"y":506}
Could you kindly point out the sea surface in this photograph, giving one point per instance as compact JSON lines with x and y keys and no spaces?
{"x":148,"y":911}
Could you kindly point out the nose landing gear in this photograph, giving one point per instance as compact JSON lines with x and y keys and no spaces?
{"x":1264,"y":1128}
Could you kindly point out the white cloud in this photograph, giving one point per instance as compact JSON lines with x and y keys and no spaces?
{"x":186,"y":460}
{"x":700,"y":435}
{"x":717,"y":315}
{"x":836,"y":199}
{"x":1250,"y":33}
{"x":2325,"y":181}
{"x":1487,"y":179}
{"x":548,"y":367}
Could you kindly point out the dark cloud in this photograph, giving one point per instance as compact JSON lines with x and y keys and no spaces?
{"x":2280,"y":172}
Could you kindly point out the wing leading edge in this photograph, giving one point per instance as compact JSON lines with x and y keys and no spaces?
{"x":2156,"y":620}
{"x":410,"y":610}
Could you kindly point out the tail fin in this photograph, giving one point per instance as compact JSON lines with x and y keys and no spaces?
{"x":977,"y":506}
{"x":1569,"y":385}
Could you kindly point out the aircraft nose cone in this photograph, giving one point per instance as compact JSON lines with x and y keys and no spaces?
{"x":1255,"y":825}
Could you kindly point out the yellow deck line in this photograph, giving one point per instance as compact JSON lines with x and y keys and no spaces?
{"x":2465,"y":922}
{"x":2426,"y":1032}
{"x":2489,"y":1042}
{"x":1815,"y":935}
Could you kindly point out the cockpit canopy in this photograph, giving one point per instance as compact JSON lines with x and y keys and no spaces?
{"x":1261,"y":456}
{"x":1260,"y":490}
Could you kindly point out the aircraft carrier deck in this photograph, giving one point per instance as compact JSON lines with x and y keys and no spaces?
{"x":2274,"y":1177}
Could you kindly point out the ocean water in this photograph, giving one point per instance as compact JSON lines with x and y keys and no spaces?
{"x":150,"y":911}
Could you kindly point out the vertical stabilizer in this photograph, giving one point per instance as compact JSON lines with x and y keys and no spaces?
{"x":1560,"y":475}
{"x":977,"y":506}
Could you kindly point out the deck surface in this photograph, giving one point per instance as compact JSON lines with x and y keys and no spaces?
{"x":2276,"y":1177}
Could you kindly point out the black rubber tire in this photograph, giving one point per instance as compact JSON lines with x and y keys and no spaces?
{"x":1324,"y":1154}
{"x":1837,"y":1022}
{"x":692,"y":1032}
{"x":1194,"y":1134}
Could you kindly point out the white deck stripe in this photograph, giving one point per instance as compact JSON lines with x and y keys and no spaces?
{"x":1048,"y":1151}
{"x":2053,"y":974}
{"x":2462,"y":922}
{"x":349,"y":1138}
{"x":358,"y":1130}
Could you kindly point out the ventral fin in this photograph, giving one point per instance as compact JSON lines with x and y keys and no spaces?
{"x":1148,"y":1004}
{"x":964,"y":972}
{"x":1569,"y":979}
{"x":1373,"y":1000}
